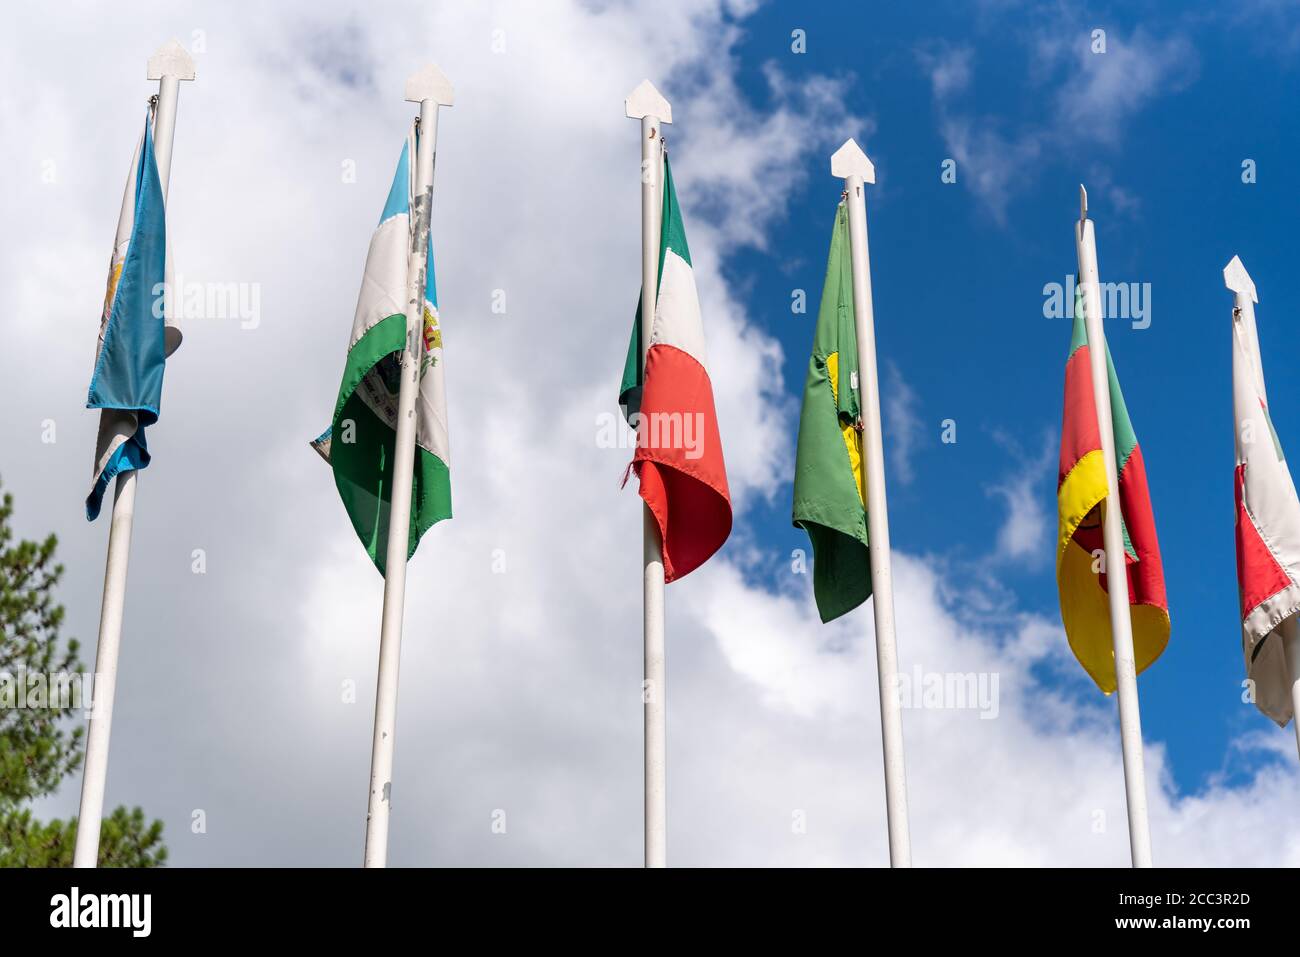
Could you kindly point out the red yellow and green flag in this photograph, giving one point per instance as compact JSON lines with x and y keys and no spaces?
{"x":1081,"y":496}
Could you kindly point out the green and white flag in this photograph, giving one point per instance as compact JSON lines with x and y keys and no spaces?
{"x":829,"y":494}
{"x":359,"y":445}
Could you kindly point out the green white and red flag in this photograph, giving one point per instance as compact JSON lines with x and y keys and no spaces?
{"x":668,"y":399}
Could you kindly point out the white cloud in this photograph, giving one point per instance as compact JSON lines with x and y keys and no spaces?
{"x":949,"y":69}
{"x":1026,"y":528}
{"x":902,"y":423}
{"x":989,"y":160}
{"x":741,"y":166}
{"x":1099,"y":96}
{"x":1040,"y":785}
{"x":1027,"y":532}
{"x":1117,"y":198}
{"x":1103,"y":91}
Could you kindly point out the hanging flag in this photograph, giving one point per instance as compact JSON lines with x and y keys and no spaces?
{"x":668,"y":399}
{"x":1081,"y":495}
{"x":829,"y":491}
{"x":359,"y":443}
{"x":136,"y":331}
{"x":1268,"y":519}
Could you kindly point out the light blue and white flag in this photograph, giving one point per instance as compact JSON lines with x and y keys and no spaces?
{"x":136,"y":333}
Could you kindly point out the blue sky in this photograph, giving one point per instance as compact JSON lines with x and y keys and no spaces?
{"x":958,"y":272}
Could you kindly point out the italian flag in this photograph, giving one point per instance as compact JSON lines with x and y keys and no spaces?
{"x":1268,"y":520}
{"x":668,"y":399}
{"x":829,"y":493}
{"x":1081,"y":496}
{"x":359,"y":443}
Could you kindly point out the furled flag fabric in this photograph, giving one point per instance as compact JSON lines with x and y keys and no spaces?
{"x":359,"y":445}
{"x":1081,"y":496}
{"x":1268,"y":525}
{"x":136,"y":334}
{"x":829,"y":490}
{"x":668,"y":399}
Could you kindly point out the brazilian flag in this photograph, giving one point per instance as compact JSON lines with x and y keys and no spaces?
{"x":829,"y":494}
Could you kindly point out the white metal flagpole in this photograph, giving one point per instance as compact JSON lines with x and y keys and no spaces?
{"x":1121,"y":626}
{"x":851,"y":164}
{"x":169,"y":65}
{"x":646,"y":104}
{"x":431,"y":89}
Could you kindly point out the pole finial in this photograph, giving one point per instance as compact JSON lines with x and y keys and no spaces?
{"x":430,"y":83}
{"x":171,"y":59}
{"x":1083,"y":203}
{"x":645,"y":100}
{"x":1237,"y":279}
{"x":849,"y":160}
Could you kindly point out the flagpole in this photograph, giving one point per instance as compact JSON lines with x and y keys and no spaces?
{"x":851,"y":164}
{"x":431,"y":89}
{"x":1244,"y":299}
{"x":646,"y":104}
{"x":1121,"y":626}
{"x":169,"y":65}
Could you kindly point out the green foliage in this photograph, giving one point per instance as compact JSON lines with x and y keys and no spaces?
{"x":125,"y":840}
{"x":38,"y":749}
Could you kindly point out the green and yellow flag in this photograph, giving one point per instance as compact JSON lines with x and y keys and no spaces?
{"x":829,"y":493}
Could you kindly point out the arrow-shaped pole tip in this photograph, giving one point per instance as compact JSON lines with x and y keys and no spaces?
{"x":645,"y":100}
{"x":171,"y":59}
{"x":430,"y":83}
{"x":849,"y":160}
{"x":1237,"y":279}
{"x":1083,"y":203}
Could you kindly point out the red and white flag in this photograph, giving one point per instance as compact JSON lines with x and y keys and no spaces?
{"x":1268,"y":516}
